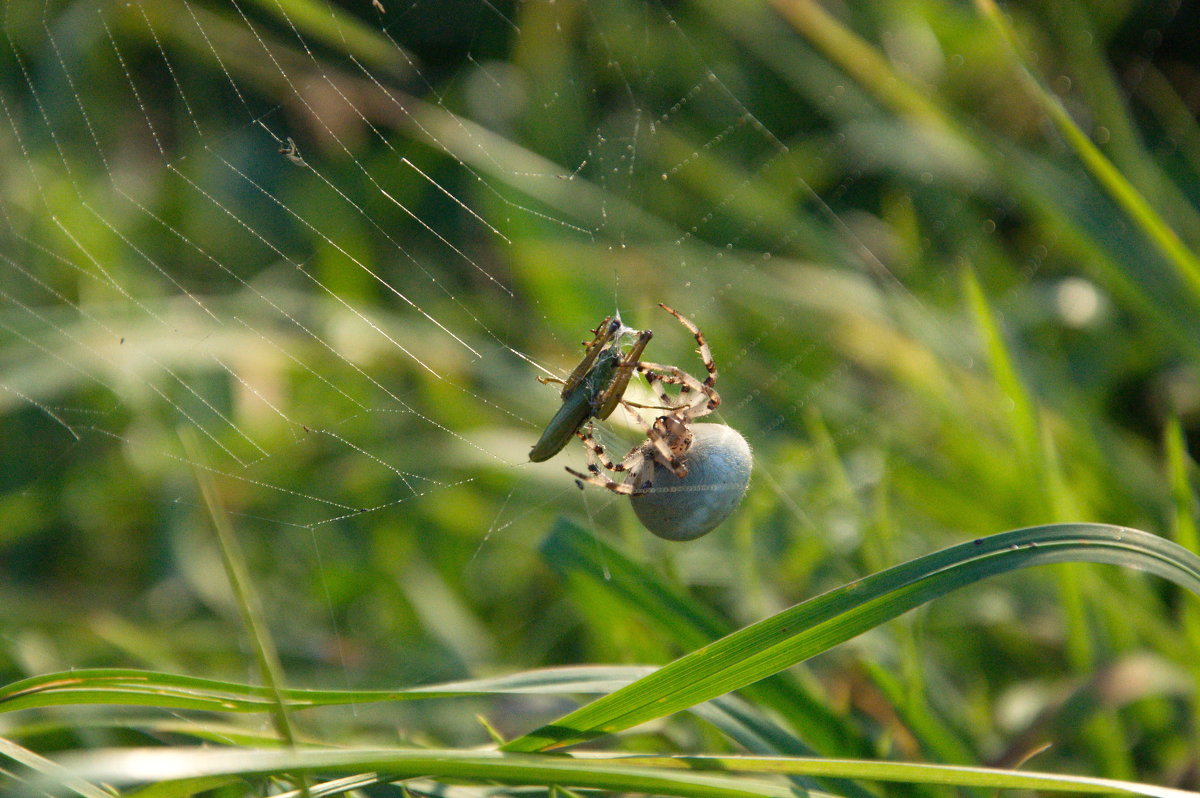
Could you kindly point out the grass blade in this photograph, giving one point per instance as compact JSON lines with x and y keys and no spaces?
{"x":1143,"y":214}
{"x":166,"y":764}
{"x":51,"y":770}
{"x":666,"y":775}
{"x":807,"y":629}
{"x":248,"y":604}
{"x":575,"y":553}
{"x":131,"y":687}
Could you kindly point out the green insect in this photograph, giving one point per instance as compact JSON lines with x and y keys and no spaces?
{"x":594,"y":388}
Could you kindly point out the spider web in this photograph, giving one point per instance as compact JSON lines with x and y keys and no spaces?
{"x":167,"y":308}
{"x":334,"y":244}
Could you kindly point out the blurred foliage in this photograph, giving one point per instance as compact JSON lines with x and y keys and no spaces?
{"x":932,"y":321}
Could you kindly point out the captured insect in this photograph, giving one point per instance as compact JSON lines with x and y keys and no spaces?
{"x":685,"y":478}
{"x":594,"y":388}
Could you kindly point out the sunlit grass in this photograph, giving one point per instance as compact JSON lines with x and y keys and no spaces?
{"x":944,"y":255}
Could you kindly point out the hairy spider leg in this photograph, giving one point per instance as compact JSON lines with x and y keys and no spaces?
{"x":597,"y":453}
{"x":658,"y":386}
{"x":655,"y":447}
{"x":595,"y":475}
{"x":702,"y":345}
{"x":673,"y":374}
{"x":601,"y":481}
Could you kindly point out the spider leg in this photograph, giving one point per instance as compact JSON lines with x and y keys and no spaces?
{"x":678,"y":376}
{"x":631,"y":464}
{"x":628,"y":403}
{"x":549,"y":380}
{"x":655,"y":438}
{"x":654,"y":382}
{"x":701,"y":344}
{"x":597,"y":453}
{"x":601,"y":481}
{"x":656,"y":385}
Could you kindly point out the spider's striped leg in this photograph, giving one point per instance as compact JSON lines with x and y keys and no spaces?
{"x":708,"y":399}
{"x":654,"y":437}
{"x":601,"y":481}
{"x":658,"y":386}
{"x":597,"y":452}
{"x":702,"y":345}
{"x":597,"y":457}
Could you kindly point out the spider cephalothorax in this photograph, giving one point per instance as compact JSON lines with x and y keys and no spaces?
{"x":667,"y":431}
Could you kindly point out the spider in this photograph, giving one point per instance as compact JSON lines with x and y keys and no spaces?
{"x":684,"y":479}
{"x":594,"y":388}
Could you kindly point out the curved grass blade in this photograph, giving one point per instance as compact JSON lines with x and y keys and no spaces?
{"x":125,"y":766}
{"x":807,"y":629}
{"x":739,"y":721}
{"x":186,"y":788}
{"x":666,"y":775}
{"x":575,"y":553}
{"x":244,"y":592}
{"x":757,"y":733}
{"x":902,"y":772}
{"x":132,"y":687}
{"x":50,"y":770}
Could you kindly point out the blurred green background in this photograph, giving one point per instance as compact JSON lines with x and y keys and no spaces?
{"x":933,"y":321}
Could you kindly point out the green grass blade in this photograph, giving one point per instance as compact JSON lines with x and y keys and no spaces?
{"x":807,"y":629}
{"x":939,"y":742}
{"x":740,"y":721}
{"x":340,"y":30}
{"x":1183,"y":500}
{"x":359,"y":781}
{"x":185,"y":788}
{"x":575,"y":553}
{"x":142,"y":765}
{"x":665,"y":775}
{"x":909,"y":773}
{"x":250,"y":609}
{"x":131,"y":687}
{"x":1023,"y":414}
{"x":1183,"y":526}
{"x":51,"y":770}
{"x":1140,"y":211}
{"x":743,"y":723}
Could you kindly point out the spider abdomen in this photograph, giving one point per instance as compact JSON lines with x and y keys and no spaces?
{"x":718,"y":463}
